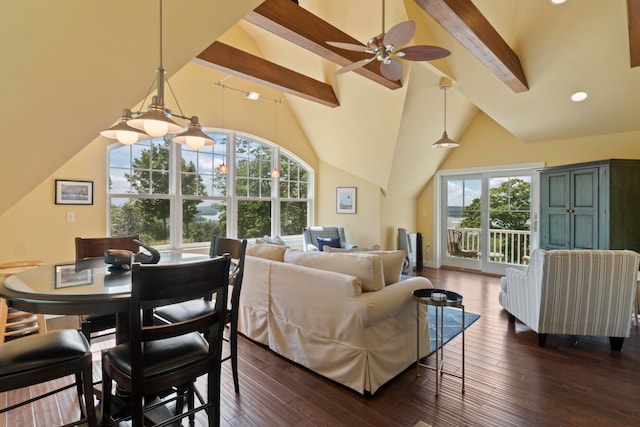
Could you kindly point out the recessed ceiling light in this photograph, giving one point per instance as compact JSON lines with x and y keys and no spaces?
{"x":579,"y":96}
{"x":557,"y":1}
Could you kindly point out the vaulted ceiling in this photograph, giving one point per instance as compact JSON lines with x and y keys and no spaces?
{"x":515,"y":61}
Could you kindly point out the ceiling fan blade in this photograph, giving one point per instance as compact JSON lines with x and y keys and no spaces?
{"x":348,"y":46}
{"x":422,"y":53}
{"x":355,"y":65}
{"x":400,"y":34}
{"x":391,"y":70}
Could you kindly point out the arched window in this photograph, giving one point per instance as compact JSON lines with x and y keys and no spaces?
{"x":176,"y":197}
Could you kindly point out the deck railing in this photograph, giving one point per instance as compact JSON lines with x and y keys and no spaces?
{"x":508,"y":246}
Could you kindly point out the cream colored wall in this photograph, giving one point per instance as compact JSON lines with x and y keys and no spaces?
{"x":487,"y":144}
{"x":396,"y":212}
{"x":361,"y":228}
{"x":36,"y":228}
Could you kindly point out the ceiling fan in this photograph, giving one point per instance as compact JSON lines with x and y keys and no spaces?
{"x":382,"y":48}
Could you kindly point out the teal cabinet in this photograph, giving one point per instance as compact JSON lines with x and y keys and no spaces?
{"x":593,"y":205}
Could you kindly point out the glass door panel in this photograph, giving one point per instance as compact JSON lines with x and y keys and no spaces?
{"x":509,"y":219}
{"x":486,"y":220}
{"x":461,"y":236}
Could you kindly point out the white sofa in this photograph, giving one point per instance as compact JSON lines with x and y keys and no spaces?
{"x":574,"y":292}
{"x":324,"y":321}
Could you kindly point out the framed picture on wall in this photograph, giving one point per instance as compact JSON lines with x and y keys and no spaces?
{"x":74,"y":192}
{"x":346,"y":200}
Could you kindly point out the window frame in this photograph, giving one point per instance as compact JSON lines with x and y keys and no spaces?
{"x":176,"y":198}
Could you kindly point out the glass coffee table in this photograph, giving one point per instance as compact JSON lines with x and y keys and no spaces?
{"x":439,"y":299}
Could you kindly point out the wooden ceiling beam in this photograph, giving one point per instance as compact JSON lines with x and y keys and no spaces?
{"x":286,"y":19}
{"x":633,"y":14}
{"x":466,"y":24}
{"x":249,"y":67}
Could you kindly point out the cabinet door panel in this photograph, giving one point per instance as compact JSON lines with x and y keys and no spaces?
{"x":584,"y":232}
{"x":554,"y":210}
{"x":557,"y":190}
{"x":584,"y":207}
{"x":558,"y":231}
{"x":585,"y":186}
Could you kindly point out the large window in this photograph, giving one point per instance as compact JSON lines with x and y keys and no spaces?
{"x":174,"y":196}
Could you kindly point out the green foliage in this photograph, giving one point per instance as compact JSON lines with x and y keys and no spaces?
{"x":150,"y":217}
{"x":509,"y":205}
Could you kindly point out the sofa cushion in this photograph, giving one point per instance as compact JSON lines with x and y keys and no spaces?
{"x":368,"y":268}
{"x":333,"y":242}
{"x":272,"y":252}
{"x":392,"y":262}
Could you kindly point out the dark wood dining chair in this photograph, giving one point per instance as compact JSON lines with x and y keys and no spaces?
{"x":95,"y":247}
{"x":179,"y":312}
{"x":160,"y":356}
{"x":39,"y":358}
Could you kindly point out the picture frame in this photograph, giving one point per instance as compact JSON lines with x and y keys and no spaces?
{"x":67,"y":275}
{"x":346,"y":200}
{"x":74,"y":192}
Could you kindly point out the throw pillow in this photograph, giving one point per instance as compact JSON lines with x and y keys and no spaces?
{"x":333,"y":242}
{"x":367,"y":268}
{"x":392,"y":262}
{"x":272,"y":252}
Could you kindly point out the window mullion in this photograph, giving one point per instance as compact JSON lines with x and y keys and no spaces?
{"x":175,"y":195}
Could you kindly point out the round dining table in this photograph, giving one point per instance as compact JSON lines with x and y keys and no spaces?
{"x":88,"y":286}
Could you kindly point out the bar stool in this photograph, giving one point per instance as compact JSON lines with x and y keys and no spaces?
{"x":15,"y":323}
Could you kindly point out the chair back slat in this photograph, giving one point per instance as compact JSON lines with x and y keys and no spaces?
{"x":93,"y":247}
{"x":156,"y":285}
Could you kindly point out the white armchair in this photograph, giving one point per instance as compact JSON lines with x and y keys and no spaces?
{"x":573,"y":292}
{"x":310,"y":235}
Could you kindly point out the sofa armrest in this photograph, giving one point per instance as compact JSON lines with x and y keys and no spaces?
{"x":393,"y":299}
{"x":521,"y":291}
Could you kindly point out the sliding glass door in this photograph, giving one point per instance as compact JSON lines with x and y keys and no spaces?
{"x":485,"y":220}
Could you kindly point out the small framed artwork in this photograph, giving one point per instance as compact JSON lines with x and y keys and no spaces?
{"x":74,"y":192}
{"x":346,"y":200}
{"x":68,"y":275}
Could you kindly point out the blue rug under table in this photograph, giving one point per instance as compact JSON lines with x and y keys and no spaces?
{"x":452,"y":323}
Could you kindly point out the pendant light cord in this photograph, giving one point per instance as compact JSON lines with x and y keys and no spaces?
{"x":445,"y":107}
{"x":161,"y":34}
{"x":382,"y":16}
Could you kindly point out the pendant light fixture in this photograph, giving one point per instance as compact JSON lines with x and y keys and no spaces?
{"x":445,"y":142}
{"x":156,"y":121}
{"x":223,"y":168}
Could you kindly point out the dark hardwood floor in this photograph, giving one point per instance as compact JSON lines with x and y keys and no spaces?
{"x":510,"y":381}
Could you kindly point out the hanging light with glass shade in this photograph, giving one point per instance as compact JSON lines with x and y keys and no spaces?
{"x":157,"y":120}
{"x":223,"y":168}
{"x":445,"y":141}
